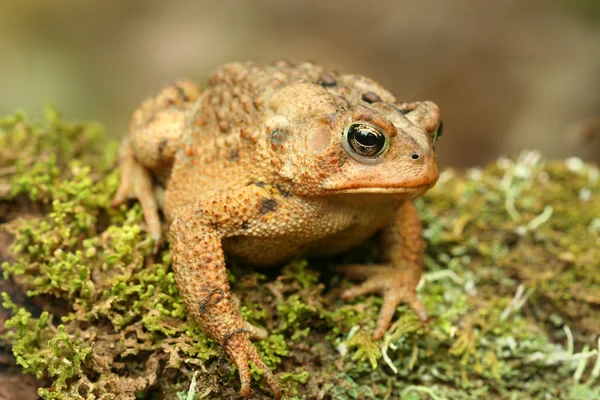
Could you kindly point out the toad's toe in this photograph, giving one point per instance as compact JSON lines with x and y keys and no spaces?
{"x":241,"y":350}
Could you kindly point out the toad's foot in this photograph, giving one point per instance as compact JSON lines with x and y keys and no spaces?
{"x":237,"y":344}
{"x":136,"y":183}
{"x":395,"y":285}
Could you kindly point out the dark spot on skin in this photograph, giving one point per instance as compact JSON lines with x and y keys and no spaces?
{"x":402,"y":111}
{"x":181,"y":92}
{"x":234,"y":154}
{"x":204,"y":303}
{"x":161,"y":146}
{"x":327,"y":80}
{"x":278,"y":137}
{"x":267,"y":206}
{"x":282,"y":191}
{"x":342,"y":102}
{"x":245,"y":225}
{"x":229,"y":335}
{"x":370,"y":97}
{"x":260,"y":184}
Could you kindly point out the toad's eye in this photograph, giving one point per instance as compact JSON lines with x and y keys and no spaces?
{"x":438,"y":132}
{"x":364,"y":142}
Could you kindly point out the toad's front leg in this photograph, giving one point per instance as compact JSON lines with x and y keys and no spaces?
{"x":403,"y":249}
{"x":199,"y":265}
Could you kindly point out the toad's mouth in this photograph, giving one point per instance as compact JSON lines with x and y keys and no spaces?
{"x":409,"y":187}
{"x":401,"y":192}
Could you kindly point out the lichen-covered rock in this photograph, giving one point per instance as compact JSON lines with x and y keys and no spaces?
{"x":512,"y":288}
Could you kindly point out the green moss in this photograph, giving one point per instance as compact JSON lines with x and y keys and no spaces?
{"x":42,"y":349}
{"x":65,"y":361}
{"x":290,"y":381}
{"x":27,"y":334}
{"x":512,"y":289}
{"x":347,"y":388}
{"x":272,"y":349}
{"x":298,"y":271}
{"x":367,"y":348}
{"x":294,"y":312}
{"x":342,"y":319}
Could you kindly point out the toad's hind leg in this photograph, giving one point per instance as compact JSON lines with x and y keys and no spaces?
{"x":149,"y":149}
{"x":136,"y":182}
{"x":158,"y":124}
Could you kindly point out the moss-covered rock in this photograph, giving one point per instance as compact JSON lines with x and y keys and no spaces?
{"x":512,"y":288}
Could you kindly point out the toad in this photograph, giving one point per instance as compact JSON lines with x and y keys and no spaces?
{"x":272,"y":162}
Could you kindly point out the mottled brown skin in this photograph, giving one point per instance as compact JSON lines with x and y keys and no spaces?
{"x":255,"y":167}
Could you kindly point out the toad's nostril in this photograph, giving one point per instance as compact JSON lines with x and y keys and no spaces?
{"x":415,"y":156}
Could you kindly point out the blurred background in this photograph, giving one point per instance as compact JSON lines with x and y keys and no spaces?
{"x":508,"y":75}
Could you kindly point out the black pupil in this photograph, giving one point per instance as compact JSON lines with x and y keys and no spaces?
{"x":365,"y":140}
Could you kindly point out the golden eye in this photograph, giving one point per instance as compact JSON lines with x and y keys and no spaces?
{"x":438,"y":132}
{"x":364,"y":140}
